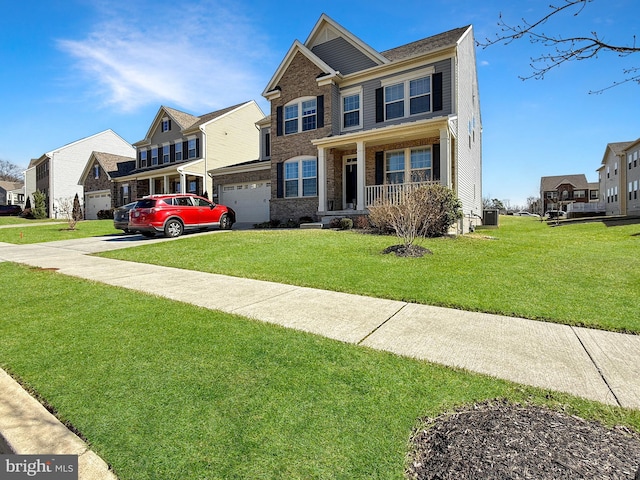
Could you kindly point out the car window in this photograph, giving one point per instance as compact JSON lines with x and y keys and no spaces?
{"x":183,"y":201}
{"x":146,"y":203}
{"x":201,"y":202}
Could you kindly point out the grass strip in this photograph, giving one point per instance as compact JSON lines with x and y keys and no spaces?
{"x":161,"y":389}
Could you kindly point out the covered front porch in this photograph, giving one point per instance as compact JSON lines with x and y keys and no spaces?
{"x":357,"y":169}
{"x":185,"y":178}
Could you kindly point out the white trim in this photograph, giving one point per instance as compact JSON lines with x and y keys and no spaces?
{"x":348,"y":93}
{"x":413,"y":75}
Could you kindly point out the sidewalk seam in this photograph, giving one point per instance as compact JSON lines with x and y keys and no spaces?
{"x":595,"y":364}
{"x":382,"y":324}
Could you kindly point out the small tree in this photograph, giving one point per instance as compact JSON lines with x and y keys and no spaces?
{"x":427,"y":211}
{"x":77,"y":209}
{"x":39,"y":205}
{"x":70,"y":209}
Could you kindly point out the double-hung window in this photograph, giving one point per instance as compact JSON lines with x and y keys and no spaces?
{"x":420,"y":95}
{"x":411,"y":165}
{"x":301,"y":178}
{"x":394,"y":101}
{"x":409,"y":96}
{"x":291,"y":119}
{"x":192,"y":148}
{"x":309,"y":115}
{"x":154,"y":156}
{"x":143,"y":159}
{"x":301,"y":116}
{"x":351,"y":111}
{"x":165,"y":153}
{"x":178,"y":151}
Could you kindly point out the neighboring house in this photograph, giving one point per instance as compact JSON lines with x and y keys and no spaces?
{"x":350,"y":125}
{"x":179,"y":149}
{"x":632,"y":180}
{"x":56,"y":173}
{"x":102,"y":191}
{"x":612,"y":178}
{"x":246,"y":187}
{"x":11,"y":193}
{"x":570,"y":192}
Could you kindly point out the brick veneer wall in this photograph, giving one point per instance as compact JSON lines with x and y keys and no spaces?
{"x":298,"y":81}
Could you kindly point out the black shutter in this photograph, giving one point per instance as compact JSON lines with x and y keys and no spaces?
{"x":435,"y":162}
{"x":149,"y":152}
{"x":379,"y":105}
{"x":172,"y":152}
{"x":437,"y":91}
{"x":185,"y":150}
{"x":169,"y":124}
{"x":279,"y":180}
{"x":139,"y":158}
{"x":197,"y":148}
{"x":279,"y":121}
{"x":320,"y":110}
{"x":379,"y":168}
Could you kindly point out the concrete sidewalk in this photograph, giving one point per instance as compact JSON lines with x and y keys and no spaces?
{"x":593,"y":364}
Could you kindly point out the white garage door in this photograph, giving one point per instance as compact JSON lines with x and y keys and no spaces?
{"x":96,"y":202}
{"x":250,"y":201}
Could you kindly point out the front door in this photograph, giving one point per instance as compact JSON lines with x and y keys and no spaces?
{"x":350,"y":183}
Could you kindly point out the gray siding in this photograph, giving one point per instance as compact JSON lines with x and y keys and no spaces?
{"x":369,"y":94}
{"x":343,"y":56}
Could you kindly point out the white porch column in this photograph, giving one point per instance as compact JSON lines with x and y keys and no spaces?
{"x":360,"y":172}
{"x":166,"y":184}
{"x":151,"y":185}
{"x":445,"y":146}
{"x":322,"y":180}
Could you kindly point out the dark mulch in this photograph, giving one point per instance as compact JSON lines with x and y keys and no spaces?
{"x":497,"y":440}
{"x":408,"y":251}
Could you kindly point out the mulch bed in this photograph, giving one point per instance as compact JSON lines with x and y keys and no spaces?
{"x":408,"y":251}
{"x":498,"y":440}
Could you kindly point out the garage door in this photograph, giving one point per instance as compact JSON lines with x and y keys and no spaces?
{"x":96,"y":202}
{"x":249,"y":200}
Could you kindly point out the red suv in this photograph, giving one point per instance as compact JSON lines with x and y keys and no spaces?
{"x":175,"y":213}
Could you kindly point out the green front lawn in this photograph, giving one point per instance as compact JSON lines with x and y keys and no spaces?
{"x":579,"y":274}
{"x":24,"y":232}
{"x":164,"y":390}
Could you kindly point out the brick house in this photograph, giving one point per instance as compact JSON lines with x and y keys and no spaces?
{"x":568,"y":192}
{"x":102,"y":190}
{"x":350,"y":124}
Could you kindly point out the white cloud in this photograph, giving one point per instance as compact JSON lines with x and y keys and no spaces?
{"x":199,"y":57}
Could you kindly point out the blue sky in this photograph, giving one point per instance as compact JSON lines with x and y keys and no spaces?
{"x":72,"y":68}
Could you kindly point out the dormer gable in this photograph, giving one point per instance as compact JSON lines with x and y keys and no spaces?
{"x":168,"y":119}
{"x":340,"y":49}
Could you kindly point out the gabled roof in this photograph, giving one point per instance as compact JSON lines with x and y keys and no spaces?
{"x":185,"y":121}
{"x":114,"y":165}
{"x":551,"y":184}
{"x":327,"y":30}
{"x":617,"y":148}
{"x":296,"y":48}
{"x":9,"y":186}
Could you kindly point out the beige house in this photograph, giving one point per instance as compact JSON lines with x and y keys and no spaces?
{"x":612,"y":176}
{"x":179,"y":149}
{"x":12,"y":193}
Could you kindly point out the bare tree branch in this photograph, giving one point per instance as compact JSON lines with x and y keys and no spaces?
{"x":562,"y":49}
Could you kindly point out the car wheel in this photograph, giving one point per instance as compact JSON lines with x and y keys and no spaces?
{"x":173,"y":228}
{"x":149,"y":234}
{"x":225,"y":222}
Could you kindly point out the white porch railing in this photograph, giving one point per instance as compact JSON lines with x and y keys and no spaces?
{"x":393,"y":192}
